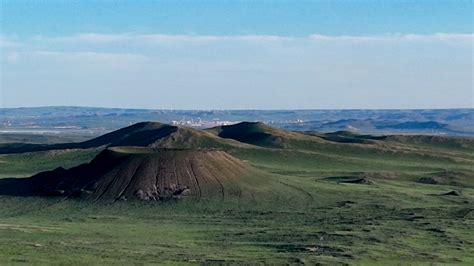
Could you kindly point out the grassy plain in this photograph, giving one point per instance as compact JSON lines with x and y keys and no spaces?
{"x":384,"y":202}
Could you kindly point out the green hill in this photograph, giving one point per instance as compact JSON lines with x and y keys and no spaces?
{"x":259,"y":134}
{"x":240,"y":194}
{"x":145,"y":134}
{"x":134,"y":173}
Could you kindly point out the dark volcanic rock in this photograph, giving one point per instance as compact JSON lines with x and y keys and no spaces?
{"x":124,"y":173}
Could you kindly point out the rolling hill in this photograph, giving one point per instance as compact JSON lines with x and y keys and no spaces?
{"x":154,"y":161}
{"x":144,"y":134}
{"x":126,"y":173}
{"x":260,"y":134}
{"x":240,"y":193}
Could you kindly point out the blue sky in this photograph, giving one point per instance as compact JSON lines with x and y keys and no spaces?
{"x":237,"y":54}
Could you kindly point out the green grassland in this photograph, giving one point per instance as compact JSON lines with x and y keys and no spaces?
{"x":6,"y":138}
{"x":389,"y":216}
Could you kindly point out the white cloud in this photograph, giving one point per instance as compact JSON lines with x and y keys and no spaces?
{"x":451,"y":37}
{"x":90,"y":56}
{"x":208,"y":71}
{"x":67,"y":59}
{"x":12,"y":58}
{"x":99,"y":38}
{"x":8,"y":43}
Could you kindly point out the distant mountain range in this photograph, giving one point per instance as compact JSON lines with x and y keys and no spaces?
{"x":94,"y":121}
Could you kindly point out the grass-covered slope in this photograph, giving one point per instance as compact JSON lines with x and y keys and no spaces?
{"x":252,"y":133}
{"x":133,"y":173}
{"x":145,"y":134}
{"x":8,"y":138}
{"x":337,"y":198}
{"x":157,"y":135}
{"x":260,"y":134}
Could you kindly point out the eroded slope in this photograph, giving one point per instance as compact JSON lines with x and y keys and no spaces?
{"x":124,"y":173}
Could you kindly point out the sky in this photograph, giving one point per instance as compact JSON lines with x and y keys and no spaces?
{"x":237,"y":54}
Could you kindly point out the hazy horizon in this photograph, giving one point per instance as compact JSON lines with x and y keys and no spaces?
{"x":216,"y":109}
{"x":247,"y":55}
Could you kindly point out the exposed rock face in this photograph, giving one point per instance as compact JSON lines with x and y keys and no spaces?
{"x":125,"y":173}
